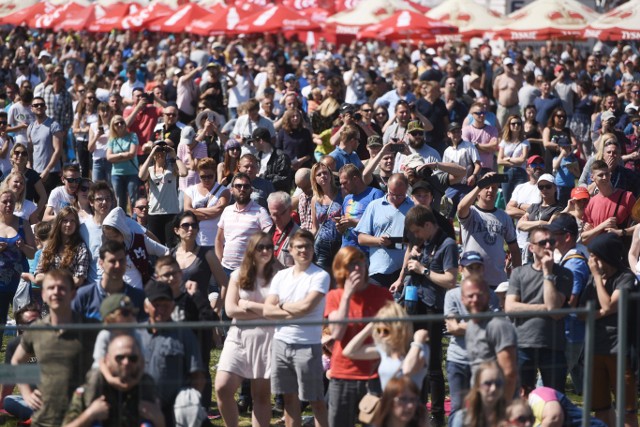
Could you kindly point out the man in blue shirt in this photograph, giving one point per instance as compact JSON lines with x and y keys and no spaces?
{"x":345,"y":153}
{"x":113,"y":261}
{"x":381,"y":228}
{"x":355,"y":202}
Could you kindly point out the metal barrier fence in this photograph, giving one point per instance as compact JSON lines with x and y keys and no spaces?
{"x":589,"y":313}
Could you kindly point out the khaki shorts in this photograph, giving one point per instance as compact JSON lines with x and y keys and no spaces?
{"x":604,"y":383}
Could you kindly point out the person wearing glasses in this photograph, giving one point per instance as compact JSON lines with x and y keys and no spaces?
{"x":512,"y":154}
{"x":45,"y":138}
{"x":238,"y":223}
{"x":121,"y":153}
{"x":541,"y":286}
{"x":247,"y":351}
{"x":557,"y":130}
{"x":482,"y":135}
{"x":141,"y":211}
{"x":64,"y":195}
{"x":119,"y":389}
{"x":207,"y":199}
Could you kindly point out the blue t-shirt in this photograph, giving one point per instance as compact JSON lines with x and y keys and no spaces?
{"x":122,"y":145}
{"x":342,"y":158}
{"x":89,"y":298}
{"x":564,"y":178}
{"x":353,"y":207}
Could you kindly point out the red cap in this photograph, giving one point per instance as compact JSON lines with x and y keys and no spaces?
{"x":534,"y":158}
{"x":580,"y":193}
{"x":558,"y":68}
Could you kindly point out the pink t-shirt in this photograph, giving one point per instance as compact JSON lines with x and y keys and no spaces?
{"x":601,"y":208}
{"x":198,"y":152}
{"x":481,"y":137}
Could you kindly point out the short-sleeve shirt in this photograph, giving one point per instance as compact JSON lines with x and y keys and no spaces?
{"x":383,"y":218}
{"x":601,"y":208}
{"x":342,"y":158}
{"x":144,"y":123}
{"x":19,"y":114}
{"x":238,"y":225}
{"x":362,"y":304}
{"x":41,"y":137}
{"x":542,"y":331}
{"x":486,"y":338}
{"x":515,"y":149}
{"x":486,"y":232}
{"x":163,"y":193}
{"x":354,"y":206}
{"x":208,"y":227}
{"x":170,"y":357}
{"x":90,"y":296}
{"x":59,"y":198}
{"x":480,"y":137}
{"x":606,"y":328}
{"x":290,"y":288}
{"x":65,"y":357}
{"x":183,"y":153}
{"x":465,"y":154}
{"x":122,"y":145}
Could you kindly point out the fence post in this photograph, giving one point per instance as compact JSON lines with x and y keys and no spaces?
{"x":623,"y":311}
{"x":589,"y":341}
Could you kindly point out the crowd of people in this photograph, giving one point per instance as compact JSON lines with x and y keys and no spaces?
{"x":149,"y":178}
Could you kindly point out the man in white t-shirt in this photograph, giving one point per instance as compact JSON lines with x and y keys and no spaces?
{"x":298,"y":292}
{"x":524,"y":195}
{"x":64,"y":195}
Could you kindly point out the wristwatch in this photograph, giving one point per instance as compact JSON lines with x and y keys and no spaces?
{"x":550,"y":277}
{"x":426,"y":272}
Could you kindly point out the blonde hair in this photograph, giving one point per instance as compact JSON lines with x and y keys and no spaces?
{"x":604,"y":140}
{"x":112,"y":126}
{"x":19,"y":197}
{"x":400,"y":332}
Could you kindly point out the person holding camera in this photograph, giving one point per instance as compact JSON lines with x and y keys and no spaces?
{"x":163,"y":192}
{"x":98,"y":138}
{"x":141,"y":118}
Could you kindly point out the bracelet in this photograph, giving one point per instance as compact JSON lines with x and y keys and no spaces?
{"x":415,"y":344}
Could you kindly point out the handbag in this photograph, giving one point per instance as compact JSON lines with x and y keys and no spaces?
{"x":369,"y":407}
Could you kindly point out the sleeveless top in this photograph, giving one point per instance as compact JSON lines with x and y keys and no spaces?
{"x":12,"y":261}
{"x":325,"y":213}
{"x":199,"y":270}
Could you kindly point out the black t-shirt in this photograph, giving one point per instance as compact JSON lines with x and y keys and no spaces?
{"x":537,"y":212}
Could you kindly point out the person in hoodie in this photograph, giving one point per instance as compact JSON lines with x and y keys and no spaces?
{"x":139,"y":247}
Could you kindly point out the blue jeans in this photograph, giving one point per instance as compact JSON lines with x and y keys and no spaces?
{"x":101,"y":170}
{"x":516,"y":176}
{"x":325,"y":251}
{"x":125,"y":185}
{"x":551,"y":363}
{"x":459,"y":376}
{"x":16,"y":406}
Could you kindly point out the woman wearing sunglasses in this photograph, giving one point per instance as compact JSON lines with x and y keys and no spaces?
{"x":34,"y":184}
{"x":393,"y":346}
{"x":485,"y":402}
{"x":557,"y":128}
{"x":160,"y":171}
{"x":207,"y":200}
{"x":24,"y":209}
{"x":400,"y":405}
{"x":84,"y":205}
{"x":247,"y":351}
{"x":121,"y":153}
{"x":229,"y":166}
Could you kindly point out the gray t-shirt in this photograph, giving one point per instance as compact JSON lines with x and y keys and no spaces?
{"x":453,"y":306}
{"x":488,"y":338}
{"x":541,"y":331}
{"x":486,"y":232}
{"x":41,"y":136}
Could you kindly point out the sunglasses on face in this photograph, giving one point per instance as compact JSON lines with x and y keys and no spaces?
{"x":188,"y":225}
{"x":479,"y":113}
{"x":561,"y":116}
{"x":515,"y":124}
{"x":143,"y":207}
{"x":543,"y":243}
{"x":20,"y":153}
{"x":242,"y":186}
{"x":73,"y":180}
{"x":130,"y":357}
{"x":383,"y":331}
{"x":261,"y":248}
{"x":367,"y":110}
{"x":545,"y":187}
{"x":39,"y":105}
{"x":205,"y":177}
{"x":536,"y":165}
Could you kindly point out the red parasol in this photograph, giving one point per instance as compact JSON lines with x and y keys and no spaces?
{"x":276,"y":19}
{"x":21,"y":16}
{"x":52,"y":18}
{"x":155,"y":11}
{"x":112,"y":16}
{"x":178,"y":20}
{"x":406,"y":24}
{"x":221,"y":20}
{"x":621,"y":23}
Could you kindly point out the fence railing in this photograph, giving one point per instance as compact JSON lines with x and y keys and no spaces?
{"x":588,"y":312}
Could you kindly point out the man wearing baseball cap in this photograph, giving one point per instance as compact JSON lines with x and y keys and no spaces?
{"x":526,"y":194}
{"x":540,"y":213}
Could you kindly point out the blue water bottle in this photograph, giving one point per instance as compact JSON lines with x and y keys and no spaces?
{"x":411,"y":298}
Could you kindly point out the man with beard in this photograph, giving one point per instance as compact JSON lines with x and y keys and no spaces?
{"x":416,"y":145}
{"x":118,"y":392}
{"x":238,"y":223}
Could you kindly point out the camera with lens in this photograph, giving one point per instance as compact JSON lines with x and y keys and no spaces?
{"x":161,"y":144}
{"x":150,"y":97}
{"x":357,"y":116}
